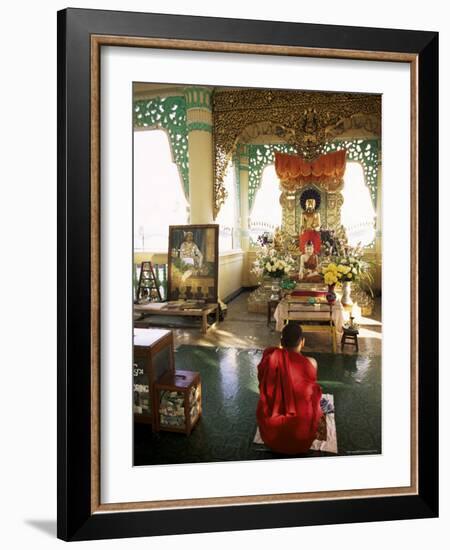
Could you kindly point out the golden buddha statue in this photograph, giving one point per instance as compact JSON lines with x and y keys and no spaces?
{"x":310,"y":226}
{"x":309,"y":265}
{"x":310,"y":218}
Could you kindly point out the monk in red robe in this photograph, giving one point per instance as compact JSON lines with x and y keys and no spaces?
{"x":288,"y":410}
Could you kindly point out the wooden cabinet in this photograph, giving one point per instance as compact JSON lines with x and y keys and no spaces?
{"x":179,"y":398}
{"x":153,"y":357}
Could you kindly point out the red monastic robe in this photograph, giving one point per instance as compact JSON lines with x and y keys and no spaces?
{"x":288,"y":410}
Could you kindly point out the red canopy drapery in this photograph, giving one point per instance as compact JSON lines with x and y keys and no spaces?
{"x":293,"y":170}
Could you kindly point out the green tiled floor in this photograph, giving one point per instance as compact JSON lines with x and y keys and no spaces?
{"x":230,"y":395}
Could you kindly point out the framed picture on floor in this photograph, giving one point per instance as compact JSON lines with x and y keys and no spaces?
{"x":193,"y":262}
{"x":120,"y":74}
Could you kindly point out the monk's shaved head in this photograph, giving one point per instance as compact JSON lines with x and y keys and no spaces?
{"x":291,"y":335}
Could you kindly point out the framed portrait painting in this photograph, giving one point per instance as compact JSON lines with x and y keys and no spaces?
{"x":277,"y":181}
{"x":193,"y":263}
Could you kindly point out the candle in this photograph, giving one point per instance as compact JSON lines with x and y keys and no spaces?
{"x":356,"y":313}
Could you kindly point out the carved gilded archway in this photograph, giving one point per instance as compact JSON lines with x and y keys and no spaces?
{"x":304,"y":120}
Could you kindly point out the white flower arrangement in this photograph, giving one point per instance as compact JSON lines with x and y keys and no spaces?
{"x":271,"y":262}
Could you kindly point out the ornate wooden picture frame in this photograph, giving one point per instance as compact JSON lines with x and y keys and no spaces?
{"x":81,"y":36}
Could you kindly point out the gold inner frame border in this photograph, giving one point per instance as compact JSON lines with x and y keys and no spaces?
{"x":97,"y":41}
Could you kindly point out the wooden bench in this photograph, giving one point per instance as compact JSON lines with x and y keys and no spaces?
{"x":162,"y":310}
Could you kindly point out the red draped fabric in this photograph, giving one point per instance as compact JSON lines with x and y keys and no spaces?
{"x":311,"y":293}
{"x":288,"y":410}
{"x":328,"y":168}
{"x":313,"y":236}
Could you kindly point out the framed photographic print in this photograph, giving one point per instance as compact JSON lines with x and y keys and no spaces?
{"x":193,"y":262}
{"x":287,"y":173}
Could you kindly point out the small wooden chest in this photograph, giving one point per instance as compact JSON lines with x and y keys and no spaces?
{"x":179,"y":401}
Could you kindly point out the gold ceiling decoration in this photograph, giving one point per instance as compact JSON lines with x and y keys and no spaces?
{"x":265,"y":128}
{"x":306,"y":120}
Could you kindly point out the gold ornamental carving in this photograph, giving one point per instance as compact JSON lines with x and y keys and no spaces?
{"x":306,"y":120}
{"x":334,"y":205}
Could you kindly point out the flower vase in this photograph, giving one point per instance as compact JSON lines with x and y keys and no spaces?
{"x":276,"y":288}
{"x":271,"y":286}
{"x":331,"y":295}
{"x":270,"y":281}
{"x":346,"y":299}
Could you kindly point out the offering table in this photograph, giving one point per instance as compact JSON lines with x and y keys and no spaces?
{"x":320,"y":316}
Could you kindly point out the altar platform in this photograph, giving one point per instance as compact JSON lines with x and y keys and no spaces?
{"x":308,"y":305}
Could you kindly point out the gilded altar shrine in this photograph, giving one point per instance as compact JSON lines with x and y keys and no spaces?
{"x":310,"y":199}
{"x":311,"y":234}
